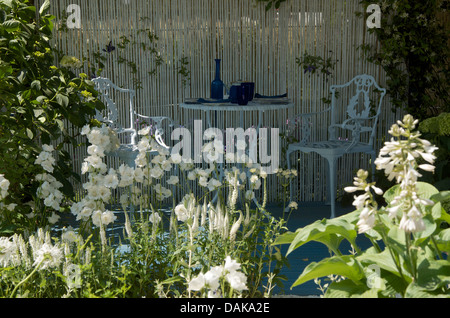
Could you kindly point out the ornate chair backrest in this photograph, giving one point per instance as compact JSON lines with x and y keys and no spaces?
{"x":108,"y":93}
{"x":362,"y":111}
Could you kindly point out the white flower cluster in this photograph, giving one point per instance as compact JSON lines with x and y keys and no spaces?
{"x":4,"y":187}
{"x":365,"y":202}
{"x":401,"y":163}
{"x":70,"y":61}
{"x":217,"y":219}
{"x":14,"y":251}
{"x":100,"y":180}
{"x":45,"y":158}
{"x":48,"y":189}
{"x":398,"y":158}
{"x":39,"y":253}
{"x":211,"y":280}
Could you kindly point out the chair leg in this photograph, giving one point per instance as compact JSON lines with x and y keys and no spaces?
{"x":332,"y":185}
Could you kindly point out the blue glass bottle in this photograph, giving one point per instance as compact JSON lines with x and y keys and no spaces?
{"x":217,"y":85}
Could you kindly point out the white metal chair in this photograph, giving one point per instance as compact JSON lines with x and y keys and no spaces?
{"x":359,"y":117}
{"x":125,"y":124}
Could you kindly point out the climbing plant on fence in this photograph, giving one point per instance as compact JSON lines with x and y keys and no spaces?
{"x":413,"y":50}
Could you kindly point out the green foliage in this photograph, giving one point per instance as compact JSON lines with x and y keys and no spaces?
{"x":323,"y":66}
{"x":37,"y":101}
{"x":437,"y":130}
{"x":271,"y":3}
{"x":414,"y":53}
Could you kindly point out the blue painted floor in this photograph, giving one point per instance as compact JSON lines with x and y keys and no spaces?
{"x":306,"y":214}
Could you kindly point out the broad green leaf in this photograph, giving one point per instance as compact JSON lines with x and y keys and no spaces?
{"x":11,"y":25}
{"x":443,"y":240}
{"x":384,"y":261}
{"x":62,"y":100}
{"x":345,"y":266}
{"x":328,"y":232}
{"x":433,"y":274}
{"x":416,"y":291}
{"x":285,"y":238}
{"x":348,"y":289}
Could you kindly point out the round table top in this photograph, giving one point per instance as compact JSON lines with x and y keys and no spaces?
{"x":259,"y":104}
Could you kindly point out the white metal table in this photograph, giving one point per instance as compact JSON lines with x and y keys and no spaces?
{"x":257,"y":104}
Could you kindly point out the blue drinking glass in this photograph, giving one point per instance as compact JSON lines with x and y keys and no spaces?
{"x":242,"y":95}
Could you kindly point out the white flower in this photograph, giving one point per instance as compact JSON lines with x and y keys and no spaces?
{"x":212,"y":277}
{"x":144,"y":131}
{"x":85,"y":130}
{"x":181,"y":212}
{"x":173,"y":180}
{"x":203,"y":181}
{"x":412,"y":221}
{"x":49,"y":255}
{"x":48,"y":148}
{"x":366,"y":220}
{"x":108,"y":217}
{"x":156,"y":172}
{"x":69,"y":235}
{"x":154,"y":218}
{"x":191,"y":175}
{"x":111,"y":180}
{"x":293,"y":205}
{"x":237,"y":280}
{"x":249,"y":195}
{"x":197,"y":283}
{"x":231,"y":265}
{"x":53,"y":218}
{"x":176,"y":158}
{"x":7,"y":251}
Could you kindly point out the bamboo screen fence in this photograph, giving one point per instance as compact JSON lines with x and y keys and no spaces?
{"x":252,"y":44}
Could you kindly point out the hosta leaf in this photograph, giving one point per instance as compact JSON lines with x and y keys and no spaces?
{"x":346,"y":266}
{"x":328,"y":232}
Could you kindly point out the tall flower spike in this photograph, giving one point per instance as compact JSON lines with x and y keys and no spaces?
{"x":400,"y":162}
{"x":364,"y":202}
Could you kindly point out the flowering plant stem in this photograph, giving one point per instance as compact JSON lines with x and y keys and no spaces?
{"x":28,"y":277}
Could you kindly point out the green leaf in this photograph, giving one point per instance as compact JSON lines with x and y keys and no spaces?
{"x":62,"y":100}
{"x":348,"y":289}
{"x":45,"y":7}
{"x":433,"y":274}
{"x":443,"y":240}
{"x":346,"y":266}
{"x":328,"y":232}
{"x":11,"y":25}
{"x":384,"y":261}
{"x":29,"y":133}
{"x":36,"y":85}
{"x":416,"y":291}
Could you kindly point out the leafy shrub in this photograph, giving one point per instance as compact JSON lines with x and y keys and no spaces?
{"x":40,"y":103}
